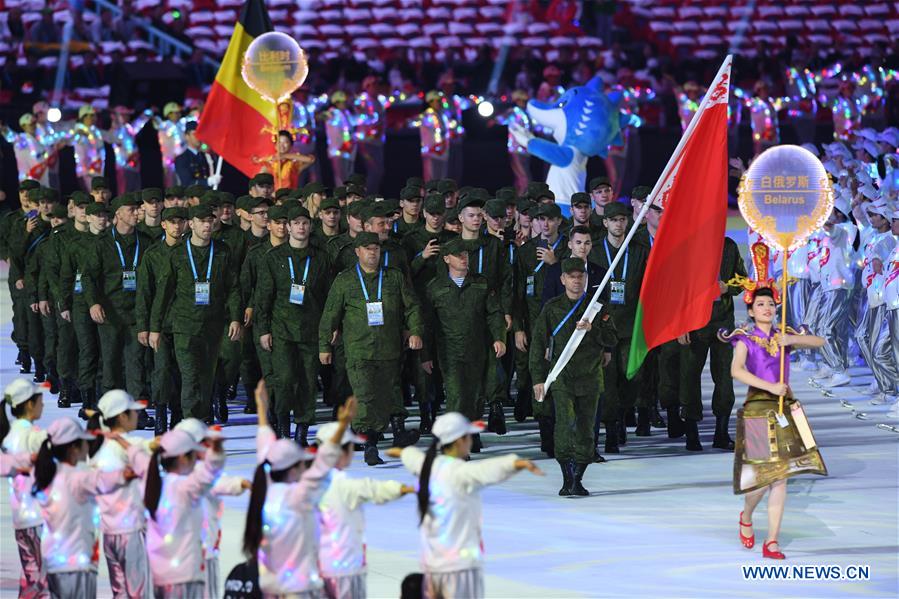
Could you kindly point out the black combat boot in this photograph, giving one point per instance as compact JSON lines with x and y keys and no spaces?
{"x":722,"y":439}
{"x":424,"y":408}
{"x":576,"y":487}
{"x":145,"y":421}
{"x":612,"y":437}
{"x":64,"y":400}
{"x":657,"y":420}
{"x":497,"y":419}
{"x":547,"y":436}
{"x":371,"y":449}
{"x":176,"y":414}
{"x":567,"y":477}
{"x":300,"y":434}
{"x":162,"y":420}
{"x":522,"y":405}
{"x":644,"y":429}
{"x":597,"y":456}
{"x":40,"y":373}
{"x":476,"y":445}
{"x":221,"y":406}
{"x":24,"y":361}
{"x":402,"y":437}
{"x":622,"y":432}
{"x":89,"y":402}
{"x":692,"y":430}
{"x":675,"y":423}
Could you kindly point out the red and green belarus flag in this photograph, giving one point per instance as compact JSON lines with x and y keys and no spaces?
{"x":235,"y":115}
{"x":681,"y":280}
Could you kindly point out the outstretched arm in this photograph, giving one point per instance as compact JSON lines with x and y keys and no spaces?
{"x":550,"y":152}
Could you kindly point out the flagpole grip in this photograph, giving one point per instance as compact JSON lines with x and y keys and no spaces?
{"x":783,"y":328}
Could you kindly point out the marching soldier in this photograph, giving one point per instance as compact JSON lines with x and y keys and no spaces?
{"x":531,"y":265}
{"x":624,"y":292}
{"x":75,"y":307}
{"x":109,"y":286}
{"x":200,"y":289}
{"x":575,"y":394}
{"x":466,"y":320}
{"x":165,"y":379}
{"x":700,"y":343}
{"x":153,"y":202}
{"x":293,"y":282}
{"x":371,"y":307}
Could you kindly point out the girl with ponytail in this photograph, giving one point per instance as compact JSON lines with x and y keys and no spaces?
{"x":449,"y":504}
{"x":122,"y":520}
{"x":280,"y":526}
{"x":173,"y":501}
{"x":22,"y":436}
{"x":66,"y":490}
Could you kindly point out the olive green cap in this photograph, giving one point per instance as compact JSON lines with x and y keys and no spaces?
{"x":572,"y":265}
{"x":434,"y":204}
{"x":96,"y":208}
{"x":365,"y":238}
{"x":173,"y":213}
{"x":615,"y":209}
{"x":152,"y":193}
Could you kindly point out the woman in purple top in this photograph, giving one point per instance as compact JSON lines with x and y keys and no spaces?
{"x":769,"y":449}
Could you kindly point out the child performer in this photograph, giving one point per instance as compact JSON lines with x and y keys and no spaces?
{"x":66,"y":490}
{"x":449,"y":505}
{"x":281,"y":529}
{"x":26,"y":402}
{"x":341,"y":553}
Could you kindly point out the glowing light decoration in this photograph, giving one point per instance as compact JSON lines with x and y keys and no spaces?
{"x":786,"y":195}
{"x":485,"y":109}
{"x":54,"y":115}
{"x":274,"y":66}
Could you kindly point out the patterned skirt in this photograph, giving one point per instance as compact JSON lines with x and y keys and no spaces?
{"x":767,"y":452}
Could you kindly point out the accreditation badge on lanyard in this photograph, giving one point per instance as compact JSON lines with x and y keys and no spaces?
{"x":374,"y":309}
{"x":201,"y":288}
{"x":616,"y":288}
{"x":297,"y":290}
{"x":552,"y":338}
{"x":78,"y":282}
{"x":129,"y":276}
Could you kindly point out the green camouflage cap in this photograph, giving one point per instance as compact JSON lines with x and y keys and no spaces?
{"x":640,"y":192}
{"x":340,"y":192}
{"x":211,"y":198}
{"x":357,"y":209}
{"x":27,"y":184}
{"x":446,"y":186}
{"x":79,"y":198}
{"x":99,"y":183}
{"x":126,"y":199}
{"x":35,"y":195}
{"x":415,"y":182}
{"x":175,"y":191}
{"x":243,"y":202}
{"x":297,"y":211}
{"x":152,"y":193}
{"x":262,"y":179}
{"x":226,"y":197}
{"x":313,"y":187}
{"x":580,"y":198}
{"x":201,"y":211}
{"x":365,"y":238}
{"x":59,"y":211}
{"x":277,"y":213}
{"x":434,"y":204}
{"x":454,"y":246}
{"x":507,"y":195}
{"x":329,"y":204}
{"x":357,"y":179}
{"x":598,"y":181}
{"x":95,"y":208}
{"x":549,"y":210}
{"x":254,"y":203}
{"x":195,"y":191}
{"x":353,"y":189}
{"x":173,"y":213}
{"x":495,"y":208}
{"x":410,"y":193}
{"x":282,"y":192}
{"x":573,"y":265}
{"x":615,"y":209}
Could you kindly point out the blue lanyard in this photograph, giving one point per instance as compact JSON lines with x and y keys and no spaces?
{"x":35,"y":242}
{"x":118,"y":246}
{"x":609,"y":257}
{"x":387,"y":259}
{"x":305,"y":270}
{"x":652,"y":240}
{"x":567,"y":316}
{"x":396,"y":225}
{"x":511,"y":253}
{"x":362,"y":282}
{"x":553,"y":248}
{"x":190,"y":256}
{"x":481,"y":260}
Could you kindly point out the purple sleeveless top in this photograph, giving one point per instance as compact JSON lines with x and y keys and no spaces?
{"x":763,"y":358}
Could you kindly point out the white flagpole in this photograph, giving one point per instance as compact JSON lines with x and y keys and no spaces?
{"x":595,"y":305}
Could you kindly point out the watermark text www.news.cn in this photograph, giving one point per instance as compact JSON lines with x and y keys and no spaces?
{"x":806,"y":572}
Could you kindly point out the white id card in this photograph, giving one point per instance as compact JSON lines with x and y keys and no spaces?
{"x":78,"y":282}
{"x":129,"y":280}
{"x":297,"y":292}
{"x":201,"y":293}
{"x":375,"y":312}
{"x":530,"y":286}
{"x":617,"y":292}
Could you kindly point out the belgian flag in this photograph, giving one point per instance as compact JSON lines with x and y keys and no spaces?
{"x":234,"y":115}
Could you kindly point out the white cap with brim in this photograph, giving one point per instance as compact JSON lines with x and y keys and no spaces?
{"x":19,"y":391}
{"x":198,"y":429}
{"x":284,"y":453}
{"x":116,"y":401}
{"x":841,"y":203}
{"x":326,"y":432}
{"x":175,"y":443}
{"x":453,"y":425}
{"x":878,"y":208}
{"x":66,"y":430}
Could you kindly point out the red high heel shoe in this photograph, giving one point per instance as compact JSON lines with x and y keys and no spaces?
{"x":748,"y":542}
{"x":771,"y":554}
